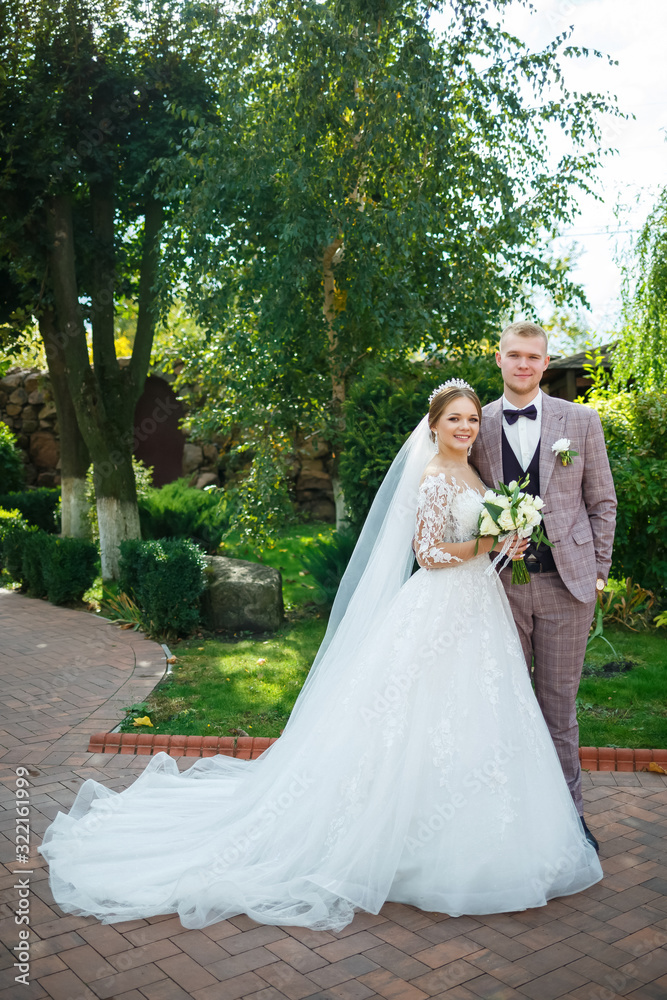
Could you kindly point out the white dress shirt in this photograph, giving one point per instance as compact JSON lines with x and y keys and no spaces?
{"x":523,"y":436}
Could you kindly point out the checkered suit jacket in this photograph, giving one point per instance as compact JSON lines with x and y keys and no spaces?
{"x":579,"y":499}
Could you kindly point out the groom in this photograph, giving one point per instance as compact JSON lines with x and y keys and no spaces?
{"x":554,"y":612}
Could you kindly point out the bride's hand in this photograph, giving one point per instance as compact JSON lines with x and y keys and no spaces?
{"x":518,"y":548}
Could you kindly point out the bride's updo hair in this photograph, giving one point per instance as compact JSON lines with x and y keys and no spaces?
{"x":445,"y":395}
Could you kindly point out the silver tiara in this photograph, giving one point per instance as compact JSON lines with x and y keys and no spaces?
{"x":451,"y":383}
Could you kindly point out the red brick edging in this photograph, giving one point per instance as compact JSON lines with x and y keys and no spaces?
{"x":249,"y":747}
{"x":620,"y":759}
{"x":243,"y":747}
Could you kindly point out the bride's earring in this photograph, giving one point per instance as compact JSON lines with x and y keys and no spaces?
{"x":469,"y":451}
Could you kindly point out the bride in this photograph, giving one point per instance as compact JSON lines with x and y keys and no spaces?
{"x":415,"y":767}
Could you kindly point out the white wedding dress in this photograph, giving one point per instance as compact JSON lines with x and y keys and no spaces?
{"x":418,"y":769}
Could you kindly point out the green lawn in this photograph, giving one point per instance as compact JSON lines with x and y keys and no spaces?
{"x":218,"y":686}
{"x":626,"y":709}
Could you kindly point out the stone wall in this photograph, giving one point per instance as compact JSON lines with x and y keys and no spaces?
{"x":26,"y":406}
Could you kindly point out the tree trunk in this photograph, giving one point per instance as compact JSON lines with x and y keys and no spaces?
{"x":74,"y":455}
{"x":330,"y":258}
{"x":103,"y":400}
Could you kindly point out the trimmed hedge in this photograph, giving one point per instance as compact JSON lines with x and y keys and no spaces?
{"x":13,"y":528}
{"x":166,"y":579}
{"x":39,"y":507}
{"x":61,"y":569}
{"x":69,"y":569}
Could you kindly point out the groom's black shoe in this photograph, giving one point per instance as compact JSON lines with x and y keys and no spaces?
{"x":589,"y":836}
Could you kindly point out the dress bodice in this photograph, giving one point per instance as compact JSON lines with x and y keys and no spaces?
{"x":447,"y":511}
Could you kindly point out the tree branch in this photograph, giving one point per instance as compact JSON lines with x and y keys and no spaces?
{"x":143,"y":340}
{"x":71,"y":329}
{"x":104,"y":354}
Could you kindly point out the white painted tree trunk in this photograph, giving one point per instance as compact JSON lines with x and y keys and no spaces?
{"x":74,"y":514}
{"x":339,"y":500}
{"x":118,"y":520}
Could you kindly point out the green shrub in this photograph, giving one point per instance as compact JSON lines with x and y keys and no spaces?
{"x":327,"y":561}
{"x":39,"y":507}
{"x":13,"y":528}
{"x":180,"y":511}
{"x":61,"y":569}
{"x":384,"y":406}
{"x":635,"y":427}
{"x":11,"y":464}
{"x":166,"y":578}
{"x":640,"y":543}
{"x":70,"y":567}
{"x":34,"y":554}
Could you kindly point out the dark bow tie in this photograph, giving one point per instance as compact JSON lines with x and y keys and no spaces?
{"x":511,"y":416}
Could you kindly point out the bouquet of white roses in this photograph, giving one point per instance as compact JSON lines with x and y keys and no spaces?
{"x":510,"y":512}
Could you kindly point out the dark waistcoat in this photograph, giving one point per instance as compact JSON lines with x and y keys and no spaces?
{"x":512,"y":470}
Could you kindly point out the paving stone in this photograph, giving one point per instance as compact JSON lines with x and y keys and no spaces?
{"x":121,"y":982}
{"x":352,"y":945}
{"x":287,"y":980}
{"x":353,"y":967}
{"x":232,"y":989}
{"x":229,"y":968}
{"x":65,"y":986}
{"x":186,"y":972}
{"x":198,"y":946}
{"x":297,"y":955}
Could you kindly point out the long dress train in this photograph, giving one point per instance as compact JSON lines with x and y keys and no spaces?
{"x":418,"y":770}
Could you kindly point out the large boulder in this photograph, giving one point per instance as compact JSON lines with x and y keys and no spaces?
{"x":242,"y":596}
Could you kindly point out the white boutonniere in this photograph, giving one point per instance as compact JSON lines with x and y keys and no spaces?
{"x":562,"y":449}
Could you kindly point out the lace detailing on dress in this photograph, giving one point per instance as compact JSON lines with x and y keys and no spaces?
{"x":446,"y":512}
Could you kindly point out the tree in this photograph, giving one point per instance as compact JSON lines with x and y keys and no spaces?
{"x":85,"y":117}
{"x":374,"y":191}
{"x":641,"y":353}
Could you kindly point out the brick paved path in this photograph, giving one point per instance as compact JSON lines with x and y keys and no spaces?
{"x":64,"y":674}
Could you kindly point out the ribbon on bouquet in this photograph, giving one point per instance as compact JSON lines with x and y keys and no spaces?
{"x":506,"y":553}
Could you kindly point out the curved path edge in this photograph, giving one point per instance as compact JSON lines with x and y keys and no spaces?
{"x":65,"y":675}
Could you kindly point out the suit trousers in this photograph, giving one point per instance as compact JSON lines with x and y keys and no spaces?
{"x":553,"y":628}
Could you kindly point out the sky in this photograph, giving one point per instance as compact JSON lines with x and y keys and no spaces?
{"x":633,"y":33}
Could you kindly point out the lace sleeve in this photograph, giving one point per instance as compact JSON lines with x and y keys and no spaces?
{"x":435,"y":523}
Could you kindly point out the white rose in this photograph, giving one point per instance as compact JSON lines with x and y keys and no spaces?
{"x":506,"y":521}
{"x":513,"y":485}
{"x":487,"y":525}
{"x":538,"y":503}
{"x":502,"y":501}
{"x":490,"y":496}
{"x":563,"y":444}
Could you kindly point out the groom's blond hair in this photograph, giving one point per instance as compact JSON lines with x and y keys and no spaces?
{"x":525,"y":329}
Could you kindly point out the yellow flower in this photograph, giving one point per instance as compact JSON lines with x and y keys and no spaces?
{"x":144,"y":721}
